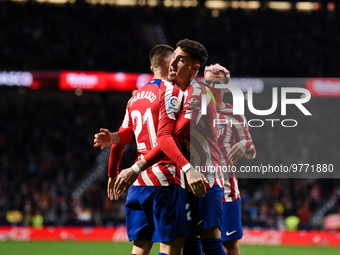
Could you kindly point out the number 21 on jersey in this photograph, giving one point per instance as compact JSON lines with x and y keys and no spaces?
{"x":144,"y":132}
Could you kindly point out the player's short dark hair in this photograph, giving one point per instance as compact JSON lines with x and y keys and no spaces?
{"x":196,"y":50}
{"x":159,"y":52}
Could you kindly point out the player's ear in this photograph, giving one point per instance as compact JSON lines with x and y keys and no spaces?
{"x":194,"y":69}
{"x":151,"y":68}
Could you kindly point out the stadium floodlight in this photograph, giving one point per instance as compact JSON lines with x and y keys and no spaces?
{"x":216,"y":4}
{"x":280,"y":5}
{"x":307,"y":6}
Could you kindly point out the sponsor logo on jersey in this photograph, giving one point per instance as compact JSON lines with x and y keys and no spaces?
{"x":194,"y":101}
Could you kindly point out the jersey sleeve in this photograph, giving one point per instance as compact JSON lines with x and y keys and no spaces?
{"x":167,"y":123}
{"x":127,"y":122}
{"x":116,"y":154}
{"x":126,"y":135}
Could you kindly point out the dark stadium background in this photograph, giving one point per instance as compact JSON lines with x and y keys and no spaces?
{"x":46,"y":136}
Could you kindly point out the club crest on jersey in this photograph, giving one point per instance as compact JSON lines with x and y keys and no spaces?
{"x":220,"y":129}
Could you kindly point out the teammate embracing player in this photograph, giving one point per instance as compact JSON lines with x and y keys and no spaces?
{"x":234,"y":142}
{"x":156,"y":203}
{"x":181,"y":120}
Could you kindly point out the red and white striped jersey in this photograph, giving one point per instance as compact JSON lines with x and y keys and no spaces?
{"x":232,"y":129}
{"x":143,"y":113}
{"x":202,"y":145}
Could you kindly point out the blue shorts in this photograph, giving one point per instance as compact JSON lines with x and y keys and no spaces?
{"x":206,"y":211}
{"x":231,"y":223}
{"x":156,"y":213}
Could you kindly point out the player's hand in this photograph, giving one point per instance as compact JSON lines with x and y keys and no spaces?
{"x":196,"y":181}
{"x":105,"y":138}
{"x":124,"y":181}
{"x":110,"y":190}
{"x":237,"y":151}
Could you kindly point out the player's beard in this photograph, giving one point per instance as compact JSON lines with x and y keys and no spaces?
{"x":171,"y":78}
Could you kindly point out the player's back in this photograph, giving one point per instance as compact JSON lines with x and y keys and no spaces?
{"x":143,"y":111}
{"x":143,"y":115}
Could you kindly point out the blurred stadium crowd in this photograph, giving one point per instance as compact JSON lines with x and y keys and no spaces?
{"x":262,"y":43}
{"x":46,"y":138}
{"x":46,"y":148}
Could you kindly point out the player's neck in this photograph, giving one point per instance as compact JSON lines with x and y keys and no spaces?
{"x":161,"y":76}
{"x":220,"y":106}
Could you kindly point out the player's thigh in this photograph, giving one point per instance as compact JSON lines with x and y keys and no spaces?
{"x":141,"y":247}
{"x":231,"y":247}
{"x":231,"y":244}
{"x":207,"y":211}
{"x":210,"y":233}
{"x":173,"y":247}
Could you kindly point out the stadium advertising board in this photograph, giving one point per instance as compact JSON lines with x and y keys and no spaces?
{"x":332,"y":222}
{"x":119,"y":234}
{"x":13,"y":78}
{"x":121,"y":81}
{"x":102,"y":81}
{"x":323,"y":87}
{"x":32,"y":80}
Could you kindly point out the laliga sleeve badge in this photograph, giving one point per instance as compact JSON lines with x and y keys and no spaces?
{"x":173,"y":104}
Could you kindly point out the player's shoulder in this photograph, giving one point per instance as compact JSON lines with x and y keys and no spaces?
{"x":167,"y":89}
{"x":196,"y":86}
{"x":228,"y":111}
{"x":149,"y":91}
{"x":229,"y":106}
{"x":167,"y":85}
{"x":155,"y":81}
{"x":154,"y":84}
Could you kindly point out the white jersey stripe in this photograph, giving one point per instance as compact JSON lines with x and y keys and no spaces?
{"x":146,"y":179}
{"x":160,"y":176}
{"x":126,"y":120}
